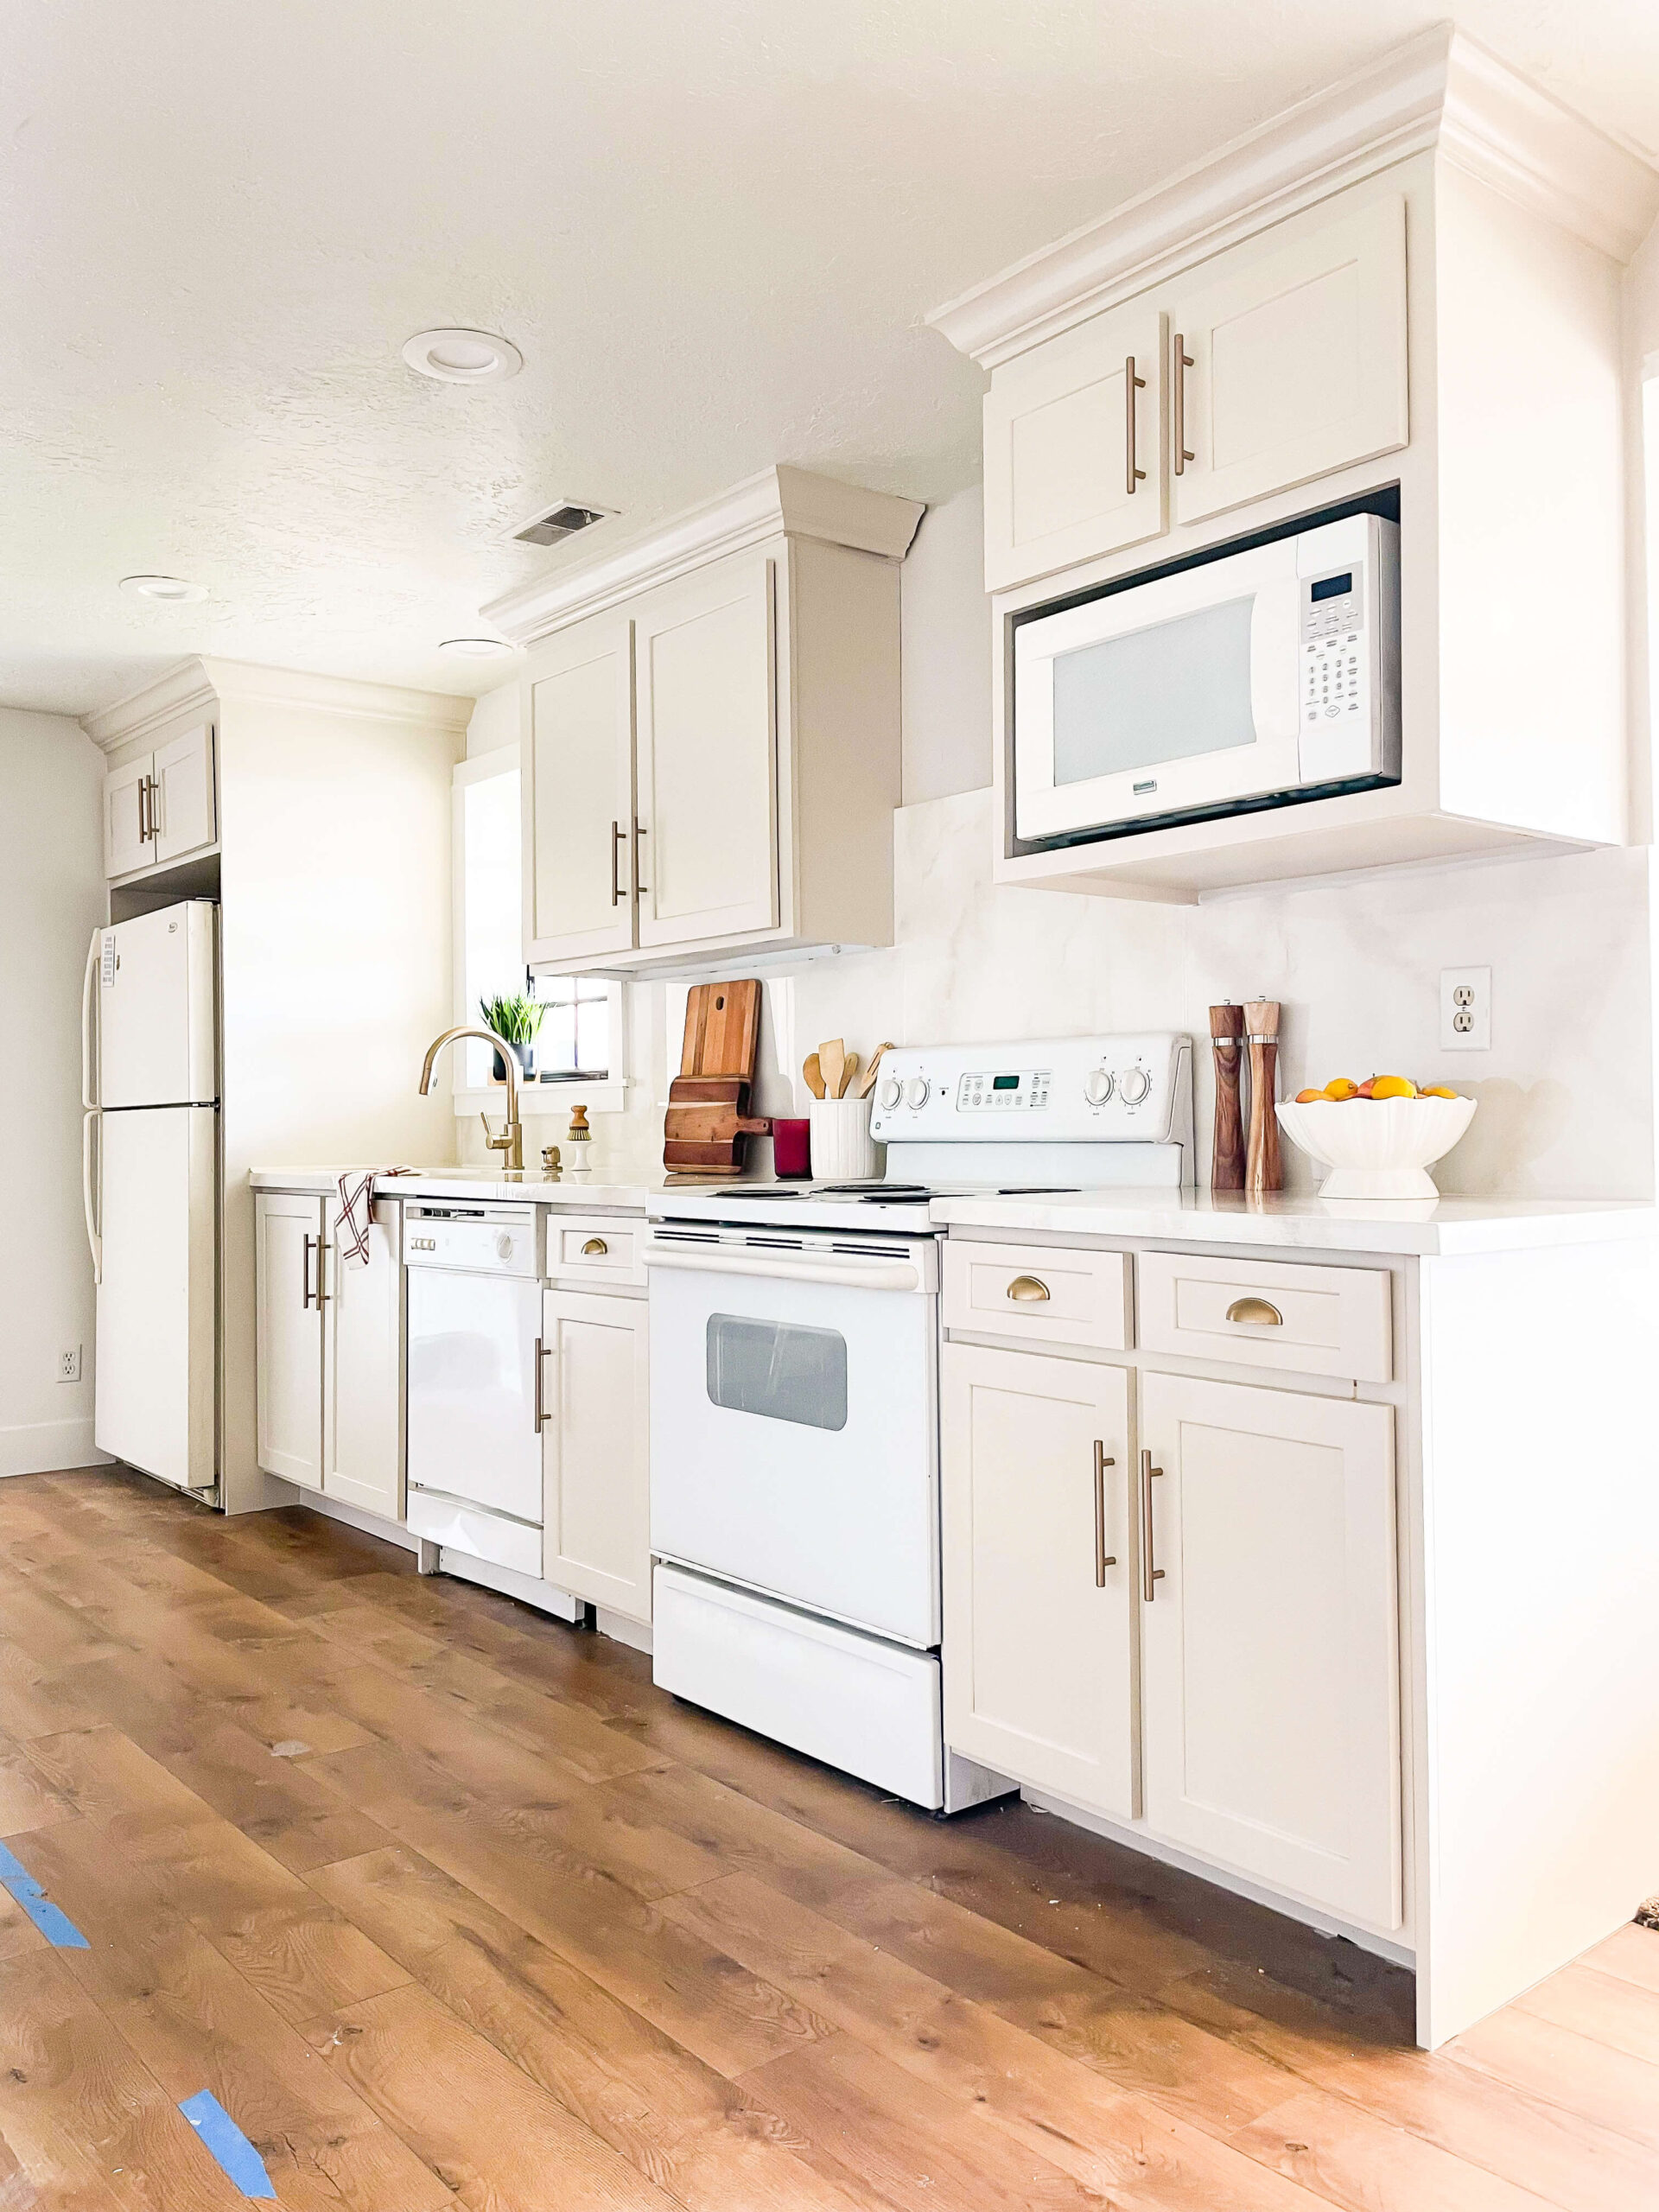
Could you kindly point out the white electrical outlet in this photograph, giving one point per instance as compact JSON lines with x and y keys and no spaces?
{"x":69,"y":1366}
{"x":1466,"y":1009}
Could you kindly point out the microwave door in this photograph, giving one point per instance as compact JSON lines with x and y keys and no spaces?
{"x":1172,"y":697}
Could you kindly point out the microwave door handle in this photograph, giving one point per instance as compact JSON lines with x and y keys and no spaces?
{"x":726,"y":1261}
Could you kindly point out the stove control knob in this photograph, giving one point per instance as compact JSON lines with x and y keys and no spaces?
{"x":890,"y":1092}
{"x":916,"y":1091}
{"x":1133,"y":1085}
{"x":1098,"y":1086}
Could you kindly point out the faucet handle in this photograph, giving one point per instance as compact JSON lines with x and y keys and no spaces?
{"x":504,"y":1142}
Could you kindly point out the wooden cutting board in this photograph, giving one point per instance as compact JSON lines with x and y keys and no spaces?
{"x":707,"y":1124}
{"x":722,"y":1030}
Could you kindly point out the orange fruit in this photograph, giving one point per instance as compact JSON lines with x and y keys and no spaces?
{"x":1437,"y":1090}
{"x":1309,"y":1097}
{"x":1393,"y":1086}
{"x":1340,"y":1088}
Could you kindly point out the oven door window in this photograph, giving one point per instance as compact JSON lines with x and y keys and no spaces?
{"x":778,"y":1370}
{"x":1172,"y":692}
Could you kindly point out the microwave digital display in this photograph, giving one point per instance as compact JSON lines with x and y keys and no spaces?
{"x":1332,"y":586}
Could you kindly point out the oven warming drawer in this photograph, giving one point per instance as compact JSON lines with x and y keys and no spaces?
{"x":870,"y":1708}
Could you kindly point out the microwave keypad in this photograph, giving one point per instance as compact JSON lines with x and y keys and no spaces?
{"x":1333,"y":670}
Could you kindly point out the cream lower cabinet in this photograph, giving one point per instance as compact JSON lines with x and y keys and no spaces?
{"x":1269,"y":1642}
{"x":1039,"y":1571}
{"x":328,"y":1352}
{"x":593,"y":1402}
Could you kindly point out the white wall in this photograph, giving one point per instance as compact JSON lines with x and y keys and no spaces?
{"x":946,"y":646}
{"x":495,"y":720}
{"x":52,"y":898}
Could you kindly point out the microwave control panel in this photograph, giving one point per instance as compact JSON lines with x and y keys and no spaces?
{"x":1335,"y":658}
{"x":1347,"y":684}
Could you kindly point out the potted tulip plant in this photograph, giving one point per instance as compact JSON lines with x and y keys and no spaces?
{"x":515,"y":1020}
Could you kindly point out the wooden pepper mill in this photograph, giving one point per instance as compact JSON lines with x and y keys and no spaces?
{"x":1227,"y":1157}
{"x":1263,"y":1170}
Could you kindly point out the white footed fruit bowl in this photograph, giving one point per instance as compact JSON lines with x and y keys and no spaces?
{"x":1377,"y":1148}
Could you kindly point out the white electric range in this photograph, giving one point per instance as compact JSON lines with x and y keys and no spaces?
{"x":794,"y":1364}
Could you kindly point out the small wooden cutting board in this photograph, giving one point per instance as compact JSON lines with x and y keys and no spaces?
{"x":723,"y":1029}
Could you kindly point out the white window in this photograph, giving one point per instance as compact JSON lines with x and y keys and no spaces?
{"x":577,"y":1049}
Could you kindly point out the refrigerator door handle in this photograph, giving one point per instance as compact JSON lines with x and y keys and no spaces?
{"x":88,"y":1197}
{"x":88,"y":1047}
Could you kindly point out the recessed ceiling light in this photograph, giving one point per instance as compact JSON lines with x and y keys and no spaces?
{"x":463,"y":356}
{"x":475,"y":648}
{"x":172,"y":591}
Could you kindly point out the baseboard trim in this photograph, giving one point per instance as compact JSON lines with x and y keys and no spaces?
{"x":354,"y":1517}
{"x":50,"y":1447}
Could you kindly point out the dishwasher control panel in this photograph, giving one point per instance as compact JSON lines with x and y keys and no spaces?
{"x":480,"y":1239}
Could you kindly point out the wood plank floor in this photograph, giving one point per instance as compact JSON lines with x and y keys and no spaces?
{"x":446,"y":1904}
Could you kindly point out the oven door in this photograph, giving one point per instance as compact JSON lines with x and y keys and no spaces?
{"x":794,"y":1434}
{"x":1168,"y":698}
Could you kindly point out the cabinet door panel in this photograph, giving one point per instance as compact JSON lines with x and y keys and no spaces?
{"x":596,"y":1402}
{"x":186,"y":816}
{"x":708,"y":764}
{"x":287,"y":1347}
{"x":1037,"y":1639}
{"x":1057,"y":487}
{"x":1270,"y":1671}
{"x":1297,"y":357}
{"x":578,"y":756}
{"x":362,"y":1370}
{"x":125,"y":847}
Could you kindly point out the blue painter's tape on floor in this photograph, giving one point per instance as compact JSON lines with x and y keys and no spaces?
{"x":54,"y":1923}
{"x":227,"y":2142}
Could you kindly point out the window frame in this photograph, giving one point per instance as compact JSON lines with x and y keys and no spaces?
{"x":536,"y":1101}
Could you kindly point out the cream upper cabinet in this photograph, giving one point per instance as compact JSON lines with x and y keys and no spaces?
{"x":288,"y":1335}
{"x":126,"y":816}
{"x":594,"y":1403}
{"x":1075,"y":447}
{"x":1039,"y":1571}
{"x":362,"y":1370}
{"x":578,"y":795}
{"x":1288,"y":358}
{"x":1269,"y":1638}
{"x":160,"y":807}
{"x":707,"y":843}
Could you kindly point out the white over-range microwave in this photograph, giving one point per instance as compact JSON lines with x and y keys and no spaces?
{"x":1258,"y":677}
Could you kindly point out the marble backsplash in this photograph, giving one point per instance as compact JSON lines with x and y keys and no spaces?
{"x":1565,"y":1091}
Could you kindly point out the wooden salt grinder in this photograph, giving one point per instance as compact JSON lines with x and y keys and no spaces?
{"x":1263,"y":1170}
{"x":1227,"y":1157}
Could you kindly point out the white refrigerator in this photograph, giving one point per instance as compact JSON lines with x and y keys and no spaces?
{"x":151,"y":1181}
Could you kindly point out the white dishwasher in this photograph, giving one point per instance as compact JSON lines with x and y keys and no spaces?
{"x":474,"y":1364}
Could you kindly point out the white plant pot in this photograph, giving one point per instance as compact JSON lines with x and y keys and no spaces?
{"x":1377,"y":1148}
{"x":842,"y":1149}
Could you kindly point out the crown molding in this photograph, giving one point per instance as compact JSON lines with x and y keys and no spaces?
{"x":200,"y":686}
{"x":1437,"y":89}
{"x":779,"y":501}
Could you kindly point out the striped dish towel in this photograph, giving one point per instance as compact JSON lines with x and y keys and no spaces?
{"x":356,"y":1215}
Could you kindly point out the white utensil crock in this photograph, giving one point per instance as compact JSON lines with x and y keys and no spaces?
{"x":842,"y":1149}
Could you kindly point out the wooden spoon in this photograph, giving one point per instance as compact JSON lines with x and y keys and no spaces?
{"x":812,"y":1073}
{"x":866,"y":1083}
{"x":847,"y":1075}
{"x":832,"y":1058}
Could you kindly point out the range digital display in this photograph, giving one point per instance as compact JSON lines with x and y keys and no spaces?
{"x":1332,"y":586}
{"x":1004,"y":1083}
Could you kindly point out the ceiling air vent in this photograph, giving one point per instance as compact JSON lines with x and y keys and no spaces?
{"x":554,"y":523}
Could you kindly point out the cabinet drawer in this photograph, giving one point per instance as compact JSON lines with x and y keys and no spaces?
{"x":1037,"y":1293}
{"x":1253,"y":1313}
{"x":596,"y":1249}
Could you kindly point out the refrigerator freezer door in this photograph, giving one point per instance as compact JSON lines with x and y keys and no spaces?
{"x":155,"y":1000}
{"x":156,"y":1394}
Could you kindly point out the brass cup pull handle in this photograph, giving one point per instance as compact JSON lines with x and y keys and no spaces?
{"x":1132,"y":384}
{"x":594,"y":1248}
{"x":1027,"y":1290}
{"x":1104,"y":1559}
{"x":1152,"y":1575}
{"x":1255,"y":1314}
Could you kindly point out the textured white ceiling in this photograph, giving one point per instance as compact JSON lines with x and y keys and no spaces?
{"x":712,"y":225}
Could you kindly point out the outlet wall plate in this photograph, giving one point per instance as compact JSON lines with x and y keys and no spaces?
{"x":69,"y":1365}
{"x":1466,"y":1009}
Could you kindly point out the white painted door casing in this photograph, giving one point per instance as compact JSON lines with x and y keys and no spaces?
{"x":362,"y":1370}
{"x":1270,"y":1646}
{"x":578,"y":757}
{"x":1038,"y":1637}
{"x":289,"y":1335}
{"x":597,"y":1441}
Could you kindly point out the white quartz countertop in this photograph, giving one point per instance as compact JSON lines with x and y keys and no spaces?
{"x":1307,"y":1224}
{"x":582,"y":1193}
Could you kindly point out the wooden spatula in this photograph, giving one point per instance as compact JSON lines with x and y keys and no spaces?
{"x":832,"y":1058}
{"x":812,"y":1075}
{"x":847,"y":1075}
{"x":866,"y":1083}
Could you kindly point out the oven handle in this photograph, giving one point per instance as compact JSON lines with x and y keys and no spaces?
{"x":849,"y":1275}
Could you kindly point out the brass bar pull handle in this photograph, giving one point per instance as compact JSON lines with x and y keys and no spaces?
{"x":594,"y":1248}
{"x":639,"y":831}
{"x":1183,"y":362}
{"x":1256,"y":1312}
{"x":540,"y":1409}
{"x":322,"y":1294}
{"x":619,"y":838}
{"x":1151,"y":1574}
{"x":305,"y":1271}
{"x":143,"y":789}
{"x":154,"y":808}
{"x":1028,"y":1290}
{"x":1104,"y":1559}
{"x":1132,"y":384}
